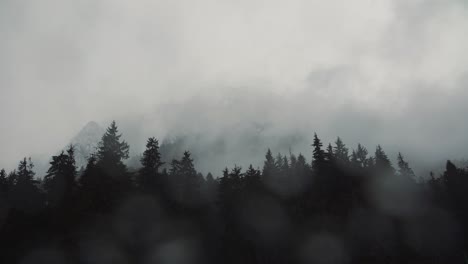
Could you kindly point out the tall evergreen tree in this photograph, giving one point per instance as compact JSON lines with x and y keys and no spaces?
{"x":60,"y":181}
{"x":187,"y":169}
{"x":3,"y":181}
{"x":149,"y":175}
{"x":112,"y":151}
{"x":106,"y":181}
{"x":382,"y":162}
{"x":25,"y":173}
{"x":185,"y":181}
{"x":269,"y":166}
{"x":279,"y":161}
{"x":210,"y":190}
{"x":329,"y":154}
{"x":340,"y":150}
{"x":403,"y":167}
{"x":319,"y":156}
{"x":12,"y":178}
{"x":252,"y":179}
{"x":359,"y":156}
{"x":25,"y":194}
{"x":300,"y":174}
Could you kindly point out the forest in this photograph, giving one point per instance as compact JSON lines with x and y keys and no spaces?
{"x":332,"y":205}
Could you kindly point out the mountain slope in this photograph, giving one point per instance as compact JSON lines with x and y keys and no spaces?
{"x":86,"y":142}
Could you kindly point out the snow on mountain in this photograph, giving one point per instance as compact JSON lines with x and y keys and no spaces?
{"x":86,"y":142}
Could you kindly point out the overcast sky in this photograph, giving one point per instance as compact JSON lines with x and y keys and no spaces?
{"x":372,"y":71}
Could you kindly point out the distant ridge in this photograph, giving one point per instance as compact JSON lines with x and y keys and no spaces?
{"x":86,"y":142}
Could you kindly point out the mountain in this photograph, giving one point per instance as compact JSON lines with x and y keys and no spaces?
{"x":86,"y":142}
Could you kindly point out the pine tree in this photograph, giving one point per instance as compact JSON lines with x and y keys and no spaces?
{"x":3,"y":181}
{"x":269,"y":166}
{"x":149,"y":175}
{"x":293,"y":160}
{"x":279,"y":161}
{"x":209,"y":178}
{"x":25,"y":194}
{"x":340,"y":150}
{"x":209,"y":190}
{"x":382,"y":162}
{"x":185,"y":181}
{"x":318,"y":160}
{"x":112,"y":151}
{"x":300,"y":174}
{"x":359,"y":156}
{"x":404,"y":168}
{"x":60,"y":181}
{"x":252,"y":179}
{"x":235,"y":178}
{"x":329,"y":154}
{"x":98,"y":191}
{"x":12,"y":178}
{"x":187,"y":169}
{"x":105,"y":180}
{"x":25,"y":173}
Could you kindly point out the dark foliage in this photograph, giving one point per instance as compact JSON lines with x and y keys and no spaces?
{"x":337,"y":208}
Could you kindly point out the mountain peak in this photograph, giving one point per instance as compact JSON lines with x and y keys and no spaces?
{"x":86,"y":142}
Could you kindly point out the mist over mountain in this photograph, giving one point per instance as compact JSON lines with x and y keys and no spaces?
{"x":234,"y":131}
{"x":213,"y":148}
{"x":86,"y":142}
{"x":387,"y":72}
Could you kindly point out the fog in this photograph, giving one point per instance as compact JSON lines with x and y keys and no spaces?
{"x":391,"y":72}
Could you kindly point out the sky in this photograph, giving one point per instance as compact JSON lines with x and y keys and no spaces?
{"x":392,"y":72}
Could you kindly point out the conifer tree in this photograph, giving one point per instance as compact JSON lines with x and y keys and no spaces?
{"x":329,"y":154}
{"x":149,"y":175}
{"x":252,"y":178}
{"x":3,"y":181}
{"x":279,"y":161}
{"x":25,"y":173}
{"x":269,"y":166}
{"x":404,"y":168}
{"x":12,"y":178}
{"x":210,"y":188}
{"x":319,"y":159}
{"x":382,"y":162}
{"x":106,"y":180}
{"x":340,"y":150}
{"x":112,"y":151}
{"x":60,"y":181}
{"x":359,"y":156}
{"x":25,"y":194}
{"x":185,"y":181}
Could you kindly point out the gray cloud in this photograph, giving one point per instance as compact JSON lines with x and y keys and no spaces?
{"x":390,"y":72}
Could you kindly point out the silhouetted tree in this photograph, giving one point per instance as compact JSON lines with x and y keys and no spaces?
{"x":329,"y":210}
{"x":3,"y":181}
{"x":340,"y":150}
{"x":210,"y":189}
{"x":94,"y":189}
{"x":319,"y":157}
{"x":252,"y":178}
{"x":112,"y":151}
{"x":106,"y":181}
{"x":330,"y":156}
{"x":25,"y":195}
{"x":185,"y":181}
{"x":60,"y":181}
{"x":404,"y":168}
{"x":382,"y":162}
{"x":149,"y":176}
{"x":269,"y":166}
{"x":359,"y":157}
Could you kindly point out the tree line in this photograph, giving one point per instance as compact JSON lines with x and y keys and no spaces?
{"x":344,"y":206}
